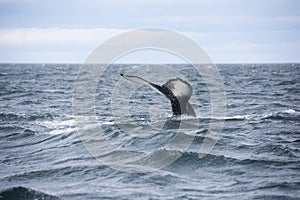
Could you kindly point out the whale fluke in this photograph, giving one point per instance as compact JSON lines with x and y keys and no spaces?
{"x":178,"y":91}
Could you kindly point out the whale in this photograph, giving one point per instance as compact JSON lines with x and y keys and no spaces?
{"x":177,"y":90}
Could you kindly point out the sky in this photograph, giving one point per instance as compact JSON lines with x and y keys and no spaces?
{"x":231,"y":31}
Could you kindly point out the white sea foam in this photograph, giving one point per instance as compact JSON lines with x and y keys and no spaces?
{"x":59,"y":126}
{"x":249,"y":116}
{"x":289,"y":111}
{"x":259,"y":116}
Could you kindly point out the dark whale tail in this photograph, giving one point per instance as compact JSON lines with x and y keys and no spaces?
{"x":178,"y":91}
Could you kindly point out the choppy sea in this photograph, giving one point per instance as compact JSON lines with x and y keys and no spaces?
{"x":42,"y":155}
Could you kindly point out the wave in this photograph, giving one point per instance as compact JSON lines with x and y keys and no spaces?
{"x":13,"y":132}
{"x":58,"y":126}
{"x":279,"y":115}
{"x":214,"y":160}
{"x":21,"y":116}
{"x":288,"y":114}
{"x":3,"y":74}
{"x":25,"y":134}
{"x":21,"y":193}
{"x":186,"y":159}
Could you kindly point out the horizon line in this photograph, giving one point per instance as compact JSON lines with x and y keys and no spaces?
{"x":162,"y":63}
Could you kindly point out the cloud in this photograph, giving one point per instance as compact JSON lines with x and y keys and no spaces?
{"x":54,"y":36}
{"x":75,"y":44}
{"x":51,"y":44}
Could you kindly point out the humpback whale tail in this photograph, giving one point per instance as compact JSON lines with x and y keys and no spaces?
{"x":178,"y":91}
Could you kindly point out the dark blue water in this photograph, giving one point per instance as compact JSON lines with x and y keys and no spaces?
{"x":43,"y":157}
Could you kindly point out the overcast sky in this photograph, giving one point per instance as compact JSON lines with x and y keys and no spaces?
{"x":63,"y":31}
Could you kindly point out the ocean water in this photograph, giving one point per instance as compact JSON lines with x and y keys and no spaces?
{"x":43,"y":156}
